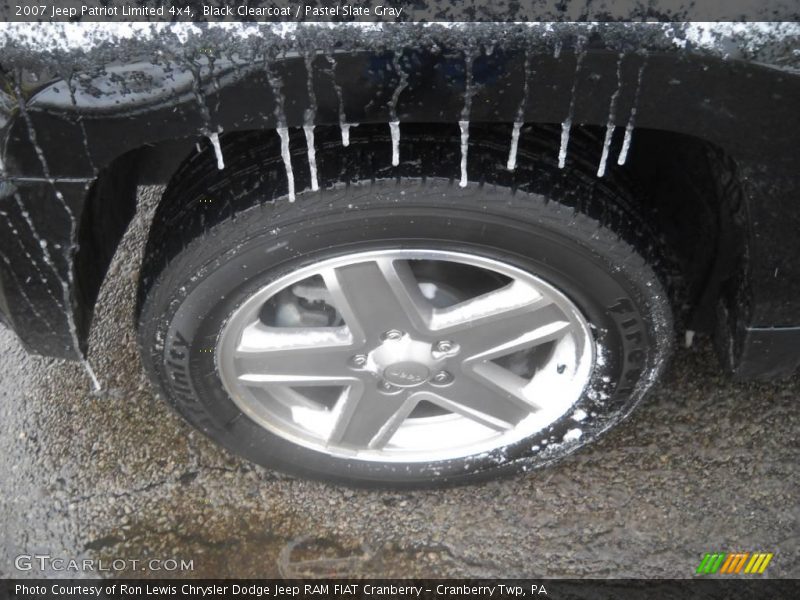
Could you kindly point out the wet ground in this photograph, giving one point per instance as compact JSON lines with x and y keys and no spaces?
{"x":703,"y":465}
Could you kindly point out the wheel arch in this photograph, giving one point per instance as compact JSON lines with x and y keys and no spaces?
{"x":157,"y":140}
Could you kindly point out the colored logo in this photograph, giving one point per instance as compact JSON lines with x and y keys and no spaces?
{"x":732,"y":563}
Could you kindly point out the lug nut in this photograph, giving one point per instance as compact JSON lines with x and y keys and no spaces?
{"x":392,"y":334}
{"x":358,"y":361}
{"x":445,"y":348}
{"x":442,"y":378}
{"x":387,"y":388}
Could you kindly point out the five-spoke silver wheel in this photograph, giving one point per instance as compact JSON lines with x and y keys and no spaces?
{"x":406,"y":355}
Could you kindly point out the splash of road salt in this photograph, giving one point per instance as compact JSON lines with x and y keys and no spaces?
{"x":214,"y":139}
{"x":312,"y":156}
{"x":283,"y":132}
{"x":566,"y":126}
{"x":626,"y":142}
{"x":66,"y":285}
{"x":611,"y":123}
{"x":32,"y":228}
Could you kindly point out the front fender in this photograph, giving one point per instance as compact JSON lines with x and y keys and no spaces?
{"x":87,"y":106}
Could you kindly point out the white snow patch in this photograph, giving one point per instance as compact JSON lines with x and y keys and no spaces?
{"x":579,"y":415}
{"x":63,"y":37}
{"x":573,"y":435}
{"x":754,"y":35}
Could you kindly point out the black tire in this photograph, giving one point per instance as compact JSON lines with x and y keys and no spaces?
{"x":580,"y":234}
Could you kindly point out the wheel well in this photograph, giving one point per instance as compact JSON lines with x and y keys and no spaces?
{"x":689,"y":188}
{"x":694,"y":191}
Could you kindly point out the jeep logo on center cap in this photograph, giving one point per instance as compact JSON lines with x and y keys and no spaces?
{"x":406,"y":374}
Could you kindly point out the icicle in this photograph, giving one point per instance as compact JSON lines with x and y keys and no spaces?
{"x":310,"y":119}
{"x":277,"y":90}
{"x":611,"y":124}
{"x":214,"y":139}
{"x":343,"y":124}
{"x":394,"y":128}
{"x":601,"y":168}
{"x":205,"y":113}
{"x":312,"y":156}
{"x":283,"y":132}
{"x":626,"y":142}
{"x":394,"y":121}
{"x":464,"y":125}
{"x":566,"y":126}
{"x":512,"y":153}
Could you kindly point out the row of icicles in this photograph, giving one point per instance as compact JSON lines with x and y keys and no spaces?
{"x":394,"y":123}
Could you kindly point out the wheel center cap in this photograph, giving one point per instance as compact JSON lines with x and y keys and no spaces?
{"x":406,"y":374}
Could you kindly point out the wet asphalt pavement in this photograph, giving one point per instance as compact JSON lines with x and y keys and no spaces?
{"x":703,"y":465}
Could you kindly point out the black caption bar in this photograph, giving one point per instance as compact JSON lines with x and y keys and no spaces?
{"x":395,"y":10}
{"x":401,"y":589}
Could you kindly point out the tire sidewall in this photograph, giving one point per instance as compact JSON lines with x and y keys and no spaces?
{"x":621,"y":301}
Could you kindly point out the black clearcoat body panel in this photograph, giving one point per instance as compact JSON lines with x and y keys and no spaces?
{"x":100,"y":103}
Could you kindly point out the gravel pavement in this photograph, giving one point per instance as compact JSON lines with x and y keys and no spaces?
{"x":703,"y":465}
